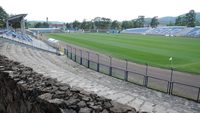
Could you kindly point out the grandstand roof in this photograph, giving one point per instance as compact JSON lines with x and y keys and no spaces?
{"x":16,"y":18}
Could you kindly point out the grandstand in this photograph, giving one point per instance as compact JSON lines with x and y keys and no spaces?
{"x":45,"y":30}
{"x":20,"y":35}
{"x":136,"y":30}
{"x":16,"y":34}
{"x":195,"y":32}
{"x":167,"y":31}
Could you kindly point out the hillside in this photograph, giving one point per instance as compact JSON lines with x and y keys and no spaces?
{"x":168,"y":19}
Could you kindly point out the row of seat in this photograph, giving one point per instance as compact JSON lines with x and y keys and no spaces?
{"x":167,"y":31}
{"x":13,"y":34}
{"x":194,"y":32}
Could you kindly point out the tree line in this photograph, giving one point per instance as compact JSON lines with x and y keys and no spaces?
{"x":189,"y":20}
{"x":106,"y":23}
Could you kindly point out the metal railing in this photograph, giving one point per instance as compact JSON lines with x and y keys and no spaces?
{"x":129,"y":74}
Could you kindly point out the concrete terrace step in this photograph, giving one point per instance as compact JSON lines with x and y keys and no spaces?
{"x":67,"y":71}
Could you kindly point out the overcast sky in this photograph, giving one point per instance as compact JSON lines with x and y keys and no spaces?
{"x":70,"y":10}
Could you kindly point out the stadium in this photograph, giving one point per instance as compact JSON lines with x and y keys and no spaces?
{"x":72,"y":70}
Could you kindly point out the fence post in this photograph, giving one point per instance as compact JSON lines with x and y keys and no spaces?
{"x":198,"y":96}
{"x":67,"y":52}
{"x":168,"y":85}
{"x":88,"y":64}
{"x":70,"y":56}
{"x":145,"y":81}
{"x":97,"y":62}
{"x":126,"y":71}
{"x":81,"y":62}
{"x":75,"y":54}
{"x":64,"y":50}
{"x":171,"y":87}
{"x":146,"y":75}
{"x":110,"y":70}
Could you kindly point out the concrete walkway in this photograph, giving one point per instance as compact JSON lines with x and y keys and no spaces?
{"x":67,"y":71}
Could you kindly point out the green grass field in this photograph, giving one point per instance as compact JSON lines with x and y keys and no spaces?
{"x":154,"y":50}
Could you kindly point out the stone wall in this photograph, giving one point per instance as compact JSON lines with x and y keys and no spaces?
{"x":22,"y":90}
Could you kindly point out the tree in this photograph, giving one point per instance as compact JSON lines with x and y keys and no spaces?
{"x":41,"y":25}
{"x":102,"y":23}
{"x":178,"y":21}
{"x":191,"y":18}
{"x":170,"y":24}
{"x":76,"y":25}
{"x":3,"y":17}
{"x":68,"y":26}
{"x":86,"y":24}
{"x":127,"y":24}
{"x":187,"y":20}
{"x":154,"y":22}
{"x":181,"y":21}
{"x":115,"y":25}
{"x":197,"y":23}
{"x":139,"y":21}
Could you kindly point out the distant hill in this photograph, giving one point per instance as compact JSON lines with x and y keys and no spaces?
{"x":168,"y":19}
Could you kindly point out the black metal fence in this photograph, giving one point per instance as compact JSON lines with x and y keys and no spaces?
{"x":135,"y":74}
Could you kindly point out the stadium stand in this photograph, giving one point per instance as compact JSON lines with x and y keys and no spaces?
{"x":22,"y":36}
{"x":136,"y":30}
{"x":195,"y":32}
{"x":17,"y":35}
{"x":45,"y":30}
{"x":167,"y":31}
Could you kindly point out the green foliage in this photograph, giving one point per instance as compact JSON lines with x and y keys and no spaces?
{"x":41,"y":25}
{"x":191,"y":18}
{"x":69,"y":26}
{"x":76,"y":25}
{"x":180,"y":21}
{"x":86,"y":25}
{"x":115,"y":25}
{"x":187,"y":20}
{"x":170,"y":24}
{"x":154,"y":50}
{"x":139,"y":22}
{"x":102,"y":23}
{"x":3,"y":17}
{"x":154,"y":22}
{"x":127,"y":24}
{"x":197,"y":23}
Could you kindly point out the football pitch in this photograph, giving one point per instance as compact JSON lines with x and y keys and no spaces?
{"x":154,"y":50}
